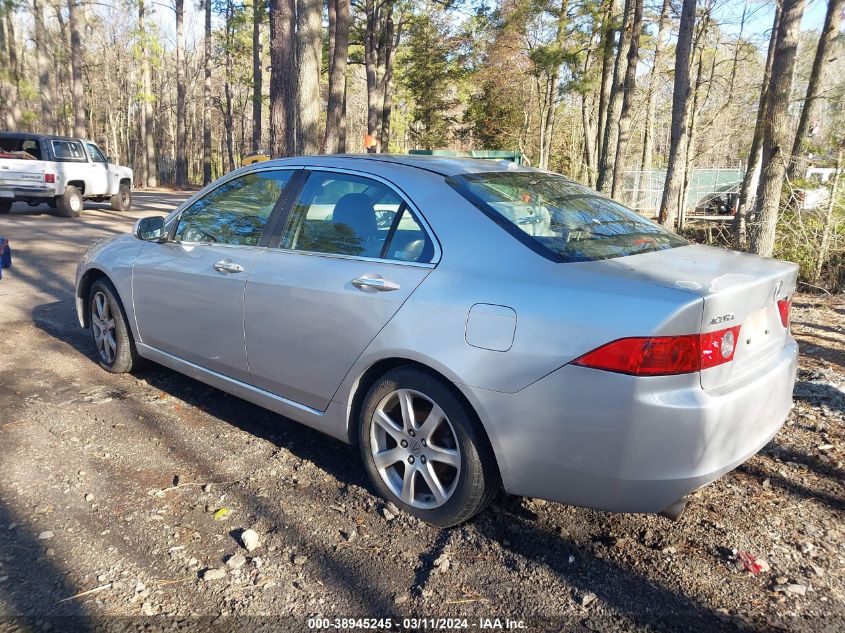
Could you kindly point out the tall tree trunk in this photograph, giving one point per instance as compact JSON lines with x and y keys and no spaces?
{"x":206,"y":98}
{"x":629,"y":87}
{"x":142,"y":161}
{"x":670,"y":202}
{"x":339,"y":31}
{"x":181,"y":165}
{"x":148,"y":138}
{"x":830,"y":31}
{"x":309,"y":34}
{"x":283,"y":77}
{"x":76,"y":70}
{"x":48,"y":121}
{"x":648,"y":130}
{"x":611,"y":128}
{"x":608,"y":44}
{"x":776,"y":140}
{"x":228,"y":116}
{"x":391,"y":38}
{"x":752,"y":169}
{"x":374,"y":103}
{"x":257,"y":72}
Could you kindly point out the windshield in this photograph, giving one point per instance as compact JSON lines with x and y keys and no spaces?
{"x":561,"y":219}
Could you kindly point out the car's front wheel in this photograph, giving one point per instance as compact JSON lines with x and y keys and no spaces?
{"x":5,"y":206}
{"x":424,"y":449}
{"x":109,"y":327}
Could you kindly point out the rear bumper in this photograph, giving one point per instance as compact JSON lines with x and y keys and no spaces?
{"x":615,"y":442}
{"x":25,"y":193}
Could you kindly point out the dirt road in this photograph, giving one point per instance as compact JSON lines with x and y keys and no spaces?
{"x":136,"y":490}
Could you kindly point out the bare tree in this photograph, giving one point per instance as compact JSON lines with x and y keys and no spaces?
{"x":607,"y":47}
{"x":76,"y":70}
{"x":283,"y":77}
{"x":776,"y":129}
{"x":670,"y":202}
{"x":611,"y":129}
{"x":629,"y":87}
{"x":381,"y":37}
{"x":148,"y":150}
{"x":309,"y":34}
{"x":338,"y":51}
{"x":752,"y":168}
{"x":48,"y":121}
{"x":206,"y":97}
{"x":830,"y":31}
{"x":648,"y":130}
{"x":257,"y":71}
{"x":181,"y":165}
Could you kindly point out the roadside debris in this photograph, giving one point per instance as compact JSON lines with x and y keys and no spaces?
{"x":249,"y":539}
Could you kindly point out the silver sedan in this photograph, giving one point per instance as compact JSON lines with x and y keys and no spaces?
{"x":470,"y":325}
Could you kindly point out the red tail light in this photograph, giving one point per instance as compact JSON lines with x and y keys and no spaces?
{"x":664,"y":355}
{"x":783,"y":308}
{"x":48,"y":177}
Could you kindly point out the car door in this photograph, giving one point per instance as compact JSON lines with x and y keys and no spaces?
{"x":98,"y":182}
{"x":351,"y":252}
{"x":188,"y":291}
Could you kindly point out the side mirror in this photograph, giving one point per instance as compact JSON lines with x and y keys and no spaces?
{"x":150,"y":229}
{"x":109,"y":160}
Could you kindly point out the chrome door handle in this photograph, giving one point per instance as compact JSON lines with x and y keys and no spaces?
{"x":228,"y":267}
{"x":367,"y":282}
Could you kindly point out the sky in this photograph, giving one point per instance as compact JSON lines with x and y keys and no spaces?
{"x":759,"y":16}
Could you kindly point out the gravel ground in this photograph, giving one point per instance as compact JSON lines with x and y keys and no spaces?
{"x":138,"y":490}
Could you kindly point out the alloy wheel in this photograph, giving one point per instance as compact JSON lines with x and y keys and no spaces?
{"x":415,"y":449}
{"x":103,"y":327}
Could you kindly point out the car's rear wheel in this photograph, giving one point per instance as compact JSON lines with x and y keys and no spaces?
{"x":5,"y":206}
{"x":109,"y":327}
{"x":70,"y":203}
{"x":424,"y":450}
{"x":122,"y":200}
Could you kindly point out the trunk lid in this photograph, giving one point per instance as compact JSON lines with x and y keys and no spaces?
{"x":737,"y":289}
{"x":16,"y":172}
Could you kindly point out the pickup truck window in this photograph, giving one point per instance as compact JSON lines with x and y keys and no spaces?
{"x":68,"y":150}
{"x":95,"y":153}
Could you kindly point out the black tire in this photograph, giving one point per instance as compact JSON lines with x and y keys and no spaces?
{"x":70,"y":204}
{"x":124,"y":357}
{"x":477,"y":481}
{"x":122,"y":200}
{"x":5,"y":206}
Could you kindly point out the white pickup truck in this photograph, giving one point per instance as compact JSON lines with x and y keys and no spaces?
{"x":61,"y":171}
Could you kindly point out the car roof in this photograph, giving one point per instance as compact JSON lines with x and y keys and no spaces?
{"x":443,"y":165}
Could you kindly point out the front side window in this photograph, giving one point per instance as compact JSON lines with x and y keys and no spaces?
{"x":68,"y":150}
{"x":236,"y":212}
{"x":343,"y":214}
{"x":95,"y":154}
{"x":561,"y":219}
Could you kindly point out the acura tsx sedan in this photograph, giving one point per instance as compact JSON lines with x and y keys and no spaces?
{"x":470,"y":325}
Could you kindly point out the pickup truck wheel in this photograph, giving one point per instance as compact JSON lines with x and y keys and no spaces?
{"x":70,"y":204}
{"x":122,"y":200}
{"x":5,"y":206}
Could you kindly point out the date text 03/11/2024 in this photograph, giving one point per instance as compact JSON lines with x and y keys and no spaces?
{"x":416,"y":624}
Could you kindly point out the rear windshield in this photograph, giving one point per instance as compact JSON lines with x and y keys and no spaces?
{"x":561,"y":219}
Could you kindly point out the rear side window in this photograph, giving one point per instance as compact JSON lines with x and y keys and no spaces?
{"x":560,"y":219}
{"x":68,"y":150}
{"x":20,"y":147}
{"x":344,"y":214}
